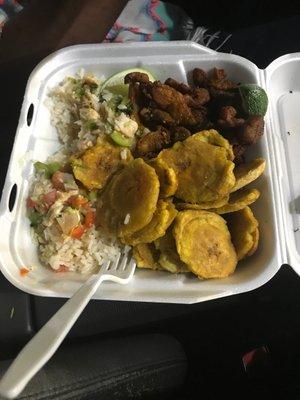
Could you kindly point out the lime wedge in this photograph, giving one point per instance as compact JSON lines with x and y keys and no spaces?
{"x":254,"y":99}
{"x":120,"y":90}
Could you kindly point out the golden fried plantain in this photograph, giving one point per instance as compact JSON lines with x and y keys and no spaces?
{"x":146,"y":256}
{"x":97,"y":164}
{"x":203,"y":206}
{"x":255,"y":236}
{"x":168,"y":256}
{"x":203,"y":170}
{"x":167,"y":178}
{"x":243,"y":228}
{"x":129,"y":200}
{"x":204,"y":244}
{"x":162,"y":218}
{"x":213,"y":137}
{"x":248,"y":172}
{"x":238,"y":200}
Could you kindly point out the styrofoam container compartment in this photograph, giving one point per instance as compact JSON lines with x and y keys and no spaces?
{"x":277,"y":210}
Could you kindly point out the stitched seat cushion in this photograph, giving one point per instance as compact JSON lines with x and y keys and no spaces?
{"x":135,"y":367}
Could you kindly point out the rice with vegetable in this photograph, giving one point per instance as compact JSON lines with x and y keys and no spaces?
{"x":60,"y":209}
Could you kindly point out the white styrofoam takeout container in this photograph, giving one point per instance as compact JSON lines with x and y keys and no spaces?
{"x":278,"y":209}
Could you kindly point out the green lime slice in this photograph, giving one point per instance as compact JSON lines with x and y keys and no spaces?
{"x":119,"y":90}
{"x":121,"y":140}
{"x":254,"y":99}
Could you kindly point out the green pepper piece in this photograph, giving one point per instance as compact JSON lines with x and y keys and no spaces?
{"x":53,"y":167}
{"x":121,"y":140}
{"x":93,"y":195}
{"x":48,"y":169}
{"x":39,"y":166}
{"x":35,"y":218}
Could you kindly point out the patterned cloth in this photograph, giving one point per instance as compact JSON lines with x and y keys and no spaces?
{"x":151,"y":20}
{"x":148,"y":20}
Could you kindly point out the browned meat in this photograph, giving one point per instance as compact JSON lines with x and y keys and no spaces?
{"x":238,"y":151}
{"x":198,"y":98}
{"x":172,"y":101}
{"x":200,"y":116}
{"x":180,"y":133}
{"x":154,"y":116}
{"x":200,"y":78}
{"x":136,"y":77}
{"x":227,"y":118}
{"x":219,"y":80}
{"x":151,"y":143}
{"x":251,"y":131}
{"x":180,"y":87}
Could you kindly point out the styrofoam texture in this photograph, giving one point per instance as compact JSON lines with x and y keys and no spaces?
{"x":283,"y":85}
{"x":37,"y":142}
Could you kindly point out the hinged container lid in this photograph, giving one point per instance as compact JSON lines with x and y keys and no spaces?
{"x":282,"y":80}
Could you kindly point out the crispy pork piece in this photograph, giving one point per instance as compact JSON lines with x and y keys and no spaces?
{"x":228,"y":119}
{"x":218,"y":80}
{"x":200,"y":77}
{"x":251,"y":131}
{"x":179,"y":86}
{"x":136,"y":77}
{"x":197,"y":98}
{"x":151,"y":143}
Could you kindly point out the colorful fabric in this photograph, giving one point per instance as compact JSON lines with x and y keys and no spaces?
{"x":148,"y":20}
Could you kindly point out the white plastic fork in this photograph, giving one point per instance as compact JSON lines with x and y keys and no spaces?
{"x":44,"y":344}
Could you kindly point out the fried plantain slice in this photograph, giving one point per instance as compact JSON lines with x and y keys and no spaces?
{"x":167,"y":178}
{"x":146,"y":256}
{"x":248,"y":172}
{"x":97,"y":164}
{"x":255,"y":236}
{"x":203,"y":170}
{"x":128,"y":202}
{"x":213,"y":137}
{"x":204,"y":244}
{"x":203,"y":206}
{"x":162,"y":219}
{"x":168,"y":256}
{"x":243,"y":227}
{"x":238,"y":200}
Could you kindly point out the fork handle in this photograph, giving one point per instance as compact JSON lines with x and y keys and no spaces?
{"x":44,"y":344}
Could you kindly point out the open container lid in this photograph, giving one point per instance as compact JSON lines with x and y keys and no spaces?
{"x":282,"y":83}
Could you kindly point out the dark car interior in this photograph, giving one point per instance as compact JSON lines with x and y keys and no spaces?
{"x":242,"y":346}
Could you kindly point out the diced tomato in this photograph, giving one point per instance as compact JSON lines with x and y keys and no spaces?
{"x":77,"y":232}
{"x":30,"y":203}
{"x":89,"y":219}
{"x":24,"y":271}
{"x":77,"y":201}
{"x":49,"y":198}
{"x":62,"y":268}
{"x":58,"y":180}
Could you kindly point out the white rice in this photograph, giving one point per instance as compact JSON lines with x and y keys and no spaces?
{"x":88,"y":253}
{"x":84,"y":255}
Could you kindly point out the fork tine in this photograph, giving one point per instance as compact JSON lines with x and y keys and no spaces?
{"x":130,"y":268}
{"x":115,"y":264}
{"x":123,"y":262}
{"x":105,"y":265}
